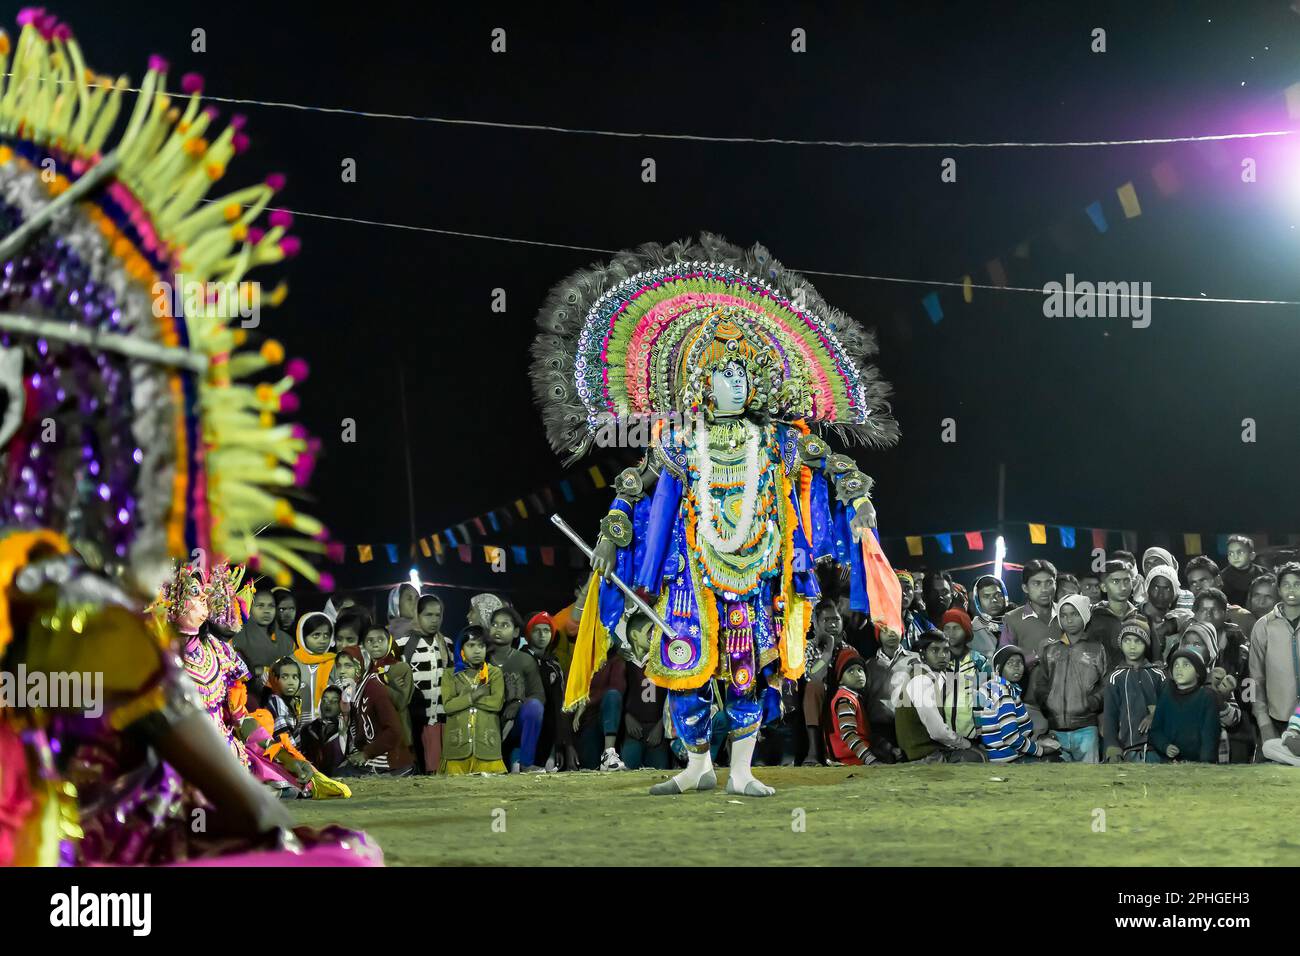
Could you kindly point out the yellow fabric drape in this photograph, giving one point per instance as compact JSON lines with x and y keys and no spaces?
{"x":589,"y":649}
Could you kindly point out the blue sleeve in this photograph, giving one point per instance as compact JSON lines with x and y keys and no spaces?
{"x":612,"y":600}
{"x":660,"y":517}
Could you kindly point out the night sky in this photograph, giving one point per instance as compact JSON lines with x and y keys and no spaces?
{"x":1098,"y":423}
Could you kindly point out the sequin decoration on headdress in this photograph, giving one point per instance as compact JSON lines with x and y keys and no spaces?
{"x":224,"y":606}
{"x":172,"y":595}
{"x":122,"y":316}
{"x":635,"y":336}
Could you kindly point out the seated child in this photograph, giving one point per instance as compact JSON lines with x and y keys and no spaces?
{"x":285,"y":699}
{"x":1285,"y":749}
{"x":325,"y":739}
{"x":850,"y":738}
{"x":472,"y":695}
{"x":1131,"y":692}
{"x":375,"y":730}
{"x":1186,"y":722}
{"x":1005,"y":724}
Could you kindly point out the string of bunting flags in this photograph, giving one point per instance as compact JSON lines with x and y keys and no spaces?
{"x":1070,"y":537}
{"x":465,"y":539}
{"x":1167,"y":178}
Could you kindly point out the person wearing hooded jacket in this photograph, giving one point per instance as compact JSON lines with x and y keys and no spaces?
{"x":1067,"y":683}
{"x":1165,"y":620}
{"x":1160,"y":557}
{"x":989,"y":601}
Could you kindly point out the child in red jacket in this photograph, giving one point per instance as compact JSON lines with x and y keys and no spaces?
{"x":849,"y":740}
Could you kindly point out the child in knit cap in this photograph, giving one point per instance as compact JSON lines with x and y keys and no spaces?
{"x":1005,"y":724}
{"x":849,"y":739}
{"x":1131,"y":692}
{"x":1186,"y":722}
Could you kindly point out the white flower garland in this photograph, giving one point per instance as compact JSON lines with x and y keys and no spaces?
{"x":704,"y":491}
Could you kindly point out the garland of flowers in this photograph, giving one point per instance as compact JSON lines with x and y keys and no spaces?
{"x":704,"y":464}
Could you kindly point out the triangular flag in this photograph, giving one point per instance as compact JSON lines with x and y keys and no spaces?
{"x":519,"y":553}
{"x":931,"y":303}
{"x":945,"y":542}
{"x":425,"y":549}
{"x":536,"y":502}
{"x":1067,"y":536}
{"x":1128,"y":198}
{"x":1096,"y":215}
{"x":566,"y":489}
{"x":997,"y":274}
{"x":1221,"y":544}
{"x":1099,"y":538}
{"x":1038,"y":534}
{"x":966,"y":290}
{"x":451,"y":538}
{"x":1022,"y":250}
{"x":392,"y":553}
{"x":597,"y":479}
{"x":914,"y":545}
{"x":975,"y":540}
{"x":1166,"y":178}
{"x":492,"y":520}
{"x":548,"y":556}
{"x":463,"y":532}
{"x":550,"y":499}
{"x":1191,"y":543}
{"x":464,"y":553}
{"x":1130,"y":539}
{"x":478,"y":526}
{"x":519,"y":506}
{"x":364,"y":553}
{"x":437,"y":545}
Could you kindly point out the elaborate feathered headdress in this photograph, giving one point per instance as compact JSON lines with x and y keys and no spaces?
{"x":126,"y":427}
{"x":634,"y":337}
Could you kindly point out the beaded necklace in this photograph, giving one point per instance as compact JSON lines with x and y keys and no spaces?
{"x":731,"y":543}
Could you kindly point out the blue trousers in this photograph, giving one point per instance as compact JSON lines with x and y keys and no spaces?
{"x":522,"y":742}
{"x":591,"y":741}
{"x":1078,"y":746}
{"x":690,"y":710}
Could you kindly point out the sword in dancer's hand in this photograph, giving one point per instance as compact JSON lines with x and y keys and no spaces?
{"x":614,"y":579}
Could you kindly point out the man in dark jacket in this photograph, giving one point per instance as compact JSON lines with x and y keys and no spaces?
{"x":1067,"y":683}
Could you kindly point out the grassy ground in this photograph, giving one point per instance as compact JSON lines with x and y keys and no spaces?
{"x":1052,"y":815}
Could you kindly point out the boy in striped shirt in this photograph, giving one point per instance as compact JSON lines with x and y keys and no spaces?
{"x":1005,"y":725}
{"x":849,"y":741}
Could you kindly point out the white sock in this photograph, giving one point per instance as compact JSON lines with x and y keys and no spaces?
{"x":742,"y":754}
{"x":697,"y":765}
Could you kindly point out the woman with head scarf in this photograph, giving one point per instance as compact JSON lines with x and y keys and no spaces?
{"x":395,"y":674}
{"x":402,"y":607}
{"x":315,"y":635}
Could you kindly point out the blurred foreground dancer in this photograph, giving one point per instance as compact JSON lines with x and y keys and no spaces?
{"x":126,"y":439}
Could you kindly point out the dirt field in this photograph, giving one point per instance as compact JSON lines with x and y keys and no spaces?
{"x":1053,"y":815}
